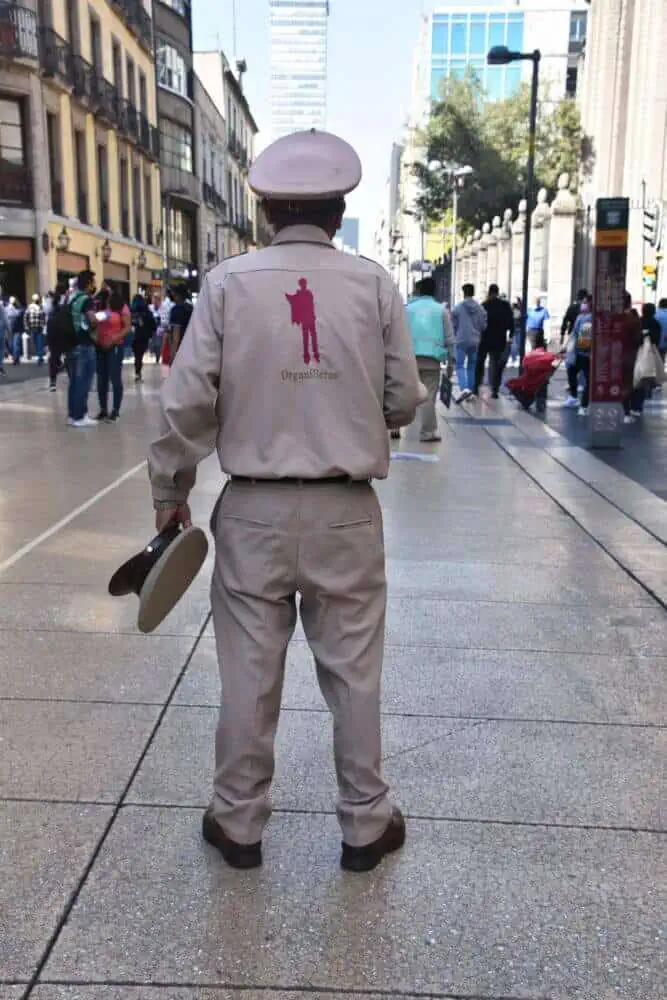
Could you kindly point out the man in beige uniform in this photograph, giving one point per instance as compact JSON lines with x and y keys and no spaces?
{"x":297,"y":360}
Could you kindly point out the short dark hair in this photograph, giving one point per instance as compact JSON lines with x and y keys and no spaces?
{"x":468,"y":290}
{"x":493,"y":289}
{"x":426,"y":286}
{"x":662,"y":304}
{"x":84,"y":278}
{"x":648,"y":310}
{"x":323,"y":214}
{"x":582,"y":294}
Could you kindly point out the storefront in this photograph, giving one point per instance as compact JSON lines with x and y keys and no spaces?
{"x":119,"y":276}
{"x":17,"y":270}
{"x":127,"y":264}
{"x":69,"y":265}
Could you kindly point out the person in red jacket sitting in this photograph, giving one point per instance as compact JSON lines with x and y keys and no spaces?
{"x":539,"y":365}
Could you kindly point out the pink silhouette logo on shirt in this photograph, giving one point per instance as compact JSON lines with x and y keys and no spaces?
{"x":303,"y":315}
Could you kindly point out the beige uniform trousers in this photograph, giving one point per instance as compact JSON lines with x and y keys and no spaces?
{"x":323,"y":542}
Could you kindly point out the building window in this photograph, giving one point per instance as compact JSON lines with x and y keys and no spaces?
{"x":578,"y":21}
{"x":148,"y":209}
{"x":478,"y":35}
{"x":55,"y":160}
{"x":124,"y":197}
{"x":180,"y":6}
{"x":117,"y":63}
{"x":171,"y":69}
{"x":73,"y":33}
{"x":459,"y":34}
{"x":95,"y":42}
{"x":103,"y":185}
{"x":131,"y":82}
{"x":136,"y":200}
{"x":143,"y":94}
{"x":175,"y":146}
{"x":571,"y":81}
{"x":81,"y":179}
{"x":180,"y":237}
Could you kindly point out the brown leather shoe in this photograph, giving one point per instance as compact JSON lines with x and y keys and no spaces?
{"x":364,"y":859}
{"x":236,"y":855}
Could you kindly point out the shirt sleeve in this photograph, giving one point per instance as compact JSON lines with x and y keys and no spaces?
{"x":189,"y":421}
{"x":403,"y":390}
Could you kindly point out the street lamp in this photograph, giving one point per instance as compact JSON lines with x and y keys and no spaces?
{"x":458,"y":175}
{"x":500,"y":55}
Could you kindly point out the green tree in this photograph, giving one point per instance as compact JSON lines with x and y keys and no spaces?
{"x":493,"y":138}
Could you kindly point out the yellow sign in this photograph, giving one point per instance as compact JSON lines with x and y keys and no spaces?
{"x":649,"y":270}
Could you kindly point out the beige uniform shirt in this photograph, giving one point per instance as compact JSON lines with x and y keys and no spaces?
{"x":295,"y":361}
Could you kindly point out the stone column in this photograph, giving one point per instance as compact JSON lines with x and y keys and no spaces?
{"x":505,"y":256}
{"x":561,"y":253}
{"x":474,"y":258}
{"x":537,"y":248}
{"x":483,"y":264}
{"x":494,"y":240}
{"x":462,"y":261}
{"x":518,"y":237}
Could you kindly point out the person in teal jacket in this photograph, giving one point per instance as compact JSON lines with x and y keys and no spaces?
{"x":433,"y":343}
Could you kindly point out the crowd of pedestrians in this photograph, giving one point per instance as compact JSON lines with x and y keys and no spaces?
{"x":87,"y":333}
{"x":475,"y":334}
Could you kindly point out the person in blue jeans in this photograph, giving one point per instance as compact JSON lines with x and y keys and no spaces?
{"x":82,"y":359}
{"x":469,"y":322}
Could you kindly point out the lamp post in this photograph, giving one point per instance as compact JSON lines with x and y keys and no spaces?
{"x":500,"y":55}
{"x":458,"y":175}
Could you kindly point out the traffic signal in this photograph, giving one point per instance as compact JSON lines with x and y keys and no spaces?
{"x":649,"y":275}
{"x":653,"y":226}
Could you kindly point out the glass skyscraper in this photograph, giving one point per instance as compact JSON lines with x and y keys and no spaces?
{"x":298,"y":65}
{"x":462,"y":38}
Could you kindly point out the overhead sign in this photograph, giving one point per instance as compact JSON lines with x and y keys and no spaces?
{"x":610,"y":328}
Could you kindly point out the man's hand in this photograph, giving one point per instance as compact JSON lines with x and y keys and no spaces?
{"x":450,"y":369}
{"x":180,"y":513}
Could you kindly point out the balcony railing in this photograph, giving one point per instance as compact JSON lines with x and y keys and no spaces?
{"x":214,"y":199}
{"x":98,"y":93}
{"x":129,"y":120}
{"x":82,"y":78}
{"x":15,"y":184}
{"x":19,"y":38}
{"x":244,"y":230}
{"x":137,"y":19}
{"x":180,"y":183}
{"x":56,"y":57}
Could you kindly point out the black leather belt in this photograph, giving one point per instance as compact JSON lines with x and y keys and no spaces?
{"x":292,"y":481}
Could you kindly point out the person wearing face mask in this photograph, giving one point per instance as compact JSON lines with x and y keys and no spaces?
{"x":583,"y":339}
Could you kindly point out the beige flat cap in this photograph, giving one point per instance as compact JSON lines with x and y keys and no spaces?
{"x":306,"y":166}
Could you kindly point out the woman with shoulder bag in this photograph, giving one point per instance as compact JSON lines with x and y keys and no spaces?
{"x":114,"y":322}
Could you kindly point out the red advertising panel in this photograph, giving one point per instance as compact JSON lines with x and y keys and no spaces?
{"x":610,"y":327}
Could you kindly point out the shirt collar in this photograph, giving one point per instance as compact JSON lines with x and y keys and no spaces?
{"x":302,"y":234}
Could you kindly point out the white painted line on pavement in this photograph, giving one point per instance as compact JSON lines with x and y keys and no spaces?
{"x":50,"y":532}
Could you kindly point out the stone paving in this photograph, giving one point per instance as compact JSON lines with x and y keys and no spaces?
{"x":525,"y":734}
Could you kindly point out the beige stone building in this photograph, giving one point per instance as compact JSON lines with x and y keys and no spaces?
{"x":79,"y":177}
{"x":623,"y":99}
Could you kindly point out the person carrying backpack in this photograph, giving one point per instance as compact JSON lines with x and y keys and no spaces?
{"x":181,"y":311}
{"x":143,"y":328}
{"x":82,"y":356}
{"x":59,"y":332}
